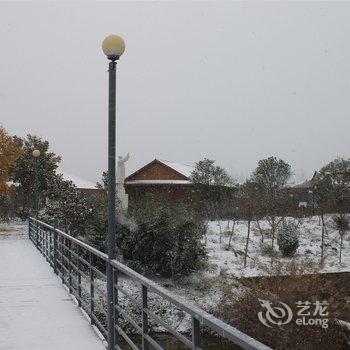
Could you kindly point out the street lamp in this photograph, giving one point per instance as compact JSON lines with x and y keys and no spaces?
{"x":36,"y":155}
{"x":113,"y":46}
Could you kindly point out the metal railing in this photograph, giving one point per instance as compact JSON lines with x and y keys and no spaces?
{"x":82,"y":269}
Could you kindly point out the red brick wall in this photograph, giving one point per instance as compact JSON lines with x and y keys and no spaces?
{"x":157,"y":171}
{"x":176,"y":193}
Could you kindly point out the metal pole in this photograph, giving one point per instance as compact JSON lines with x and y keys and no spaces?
{"x":29,"y":233}
{"x":36,"y":196}
{"x":111,"y":201}
{"x":55,"y":244}
{"x":144,"y":317}
{"x":196,"y":343}
{"x":36,"y":170}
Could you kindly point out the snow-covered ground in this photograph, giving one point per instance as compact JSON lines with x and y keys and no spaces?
{"x":203,"y":288}
{"x":229,"y":260}
{"x":13,"y":229}
{"x":36,"y":311}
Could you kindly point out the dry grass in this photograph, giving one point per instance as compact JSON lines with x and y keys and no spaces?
{"x":240,"y":307}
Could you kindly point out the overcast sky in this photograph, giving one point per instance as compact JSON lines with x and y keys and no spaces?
{"x":234,"y":82}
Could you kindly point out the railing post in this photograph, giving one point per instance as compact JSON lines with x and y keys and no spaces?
{"x":196,"y":333}
{"x":79,"y":275}
{"x":47,"y":235}
{"x":37,"y":234}
{"x":63,"y":261}
{"x":115,"y":302}
{"x":92,"y":290}
{"x":70,"y":265}
{"x":144,"y":317}
{"x":29,"y":227}
{"x":55,"y":245}
{"x":51,"y":248}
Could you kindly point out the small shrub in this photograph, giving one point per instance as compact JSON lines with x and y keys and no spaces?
{"x":288,"y":238}
{"x":162,"y":238}
{"x":266,"y":249}
{"x":341,"y":222}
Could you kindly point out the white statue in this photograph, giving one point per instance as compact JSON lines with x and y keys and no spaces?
{"x":120,"y":177}
{"x":121,"y":168}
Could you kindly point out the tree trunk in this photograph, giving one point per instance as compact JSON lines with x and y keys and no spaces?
{"x":232,"y":232}
{"x":341,"y":246}
{"x":272,"y":246}
{"x":273,"y":228}
{"x":246,"y":246}
{"x":219,"y":224}
{"x":260,"y":231}
{"x":322,"y":239}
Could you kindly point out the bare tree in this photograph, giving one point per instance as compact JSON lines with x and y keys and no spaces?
{"x":332,"y":184}
{"x":248,"y":193}
{"x":342,"y":223}
{"x":270,"y":176}
{"x":215,"y":190}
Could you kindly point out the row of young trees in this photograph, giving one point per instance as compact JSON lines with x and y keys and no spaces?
{"x":156,"y":237}
{"x":263,"y":196}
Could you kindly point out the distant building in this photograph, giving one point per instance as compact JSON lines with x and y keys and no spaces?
{"x":82,"y":185}
{"x":161,"y":177}
{"x":302,"y":193}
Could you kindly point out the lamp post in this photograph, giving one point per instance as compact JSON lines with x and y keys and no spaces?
{"x":36,"y":155}
{"x":113,"y":46}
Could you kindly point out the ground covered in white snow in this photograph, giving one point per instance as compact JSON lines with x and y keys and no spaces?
{"x":227,"y":259}
{"x":203,"y":288}
{"x":226,"y":262}
{"x":36,"y":311}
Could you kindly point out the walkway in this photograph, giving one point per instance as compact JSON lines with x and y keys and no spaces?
{"x":36,"y":312}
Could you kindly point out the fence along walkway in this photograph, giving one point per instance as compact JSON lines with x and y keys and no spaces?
{"x":82,"y":269}
{"x":36,"y":313}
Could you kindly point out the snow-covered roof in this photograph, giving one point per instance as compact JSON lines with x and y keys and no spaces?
{"x":183,"y":169}
{"x":304,"y":184}
{"x":77,"y":181}
{"x":11,"y":183}
{"x":158,"y":182}
{"x":301,"y":184}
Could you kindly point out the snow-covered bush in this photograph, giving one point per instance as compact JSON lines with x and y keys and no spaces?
{"x":80,"y":215}
{"x":162,"y":238}
{"x":288,"y":238}
{"x":266,"y":249}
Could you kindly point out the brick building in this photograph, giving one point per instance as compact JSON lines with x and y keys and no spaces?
{"x":160,"y":177}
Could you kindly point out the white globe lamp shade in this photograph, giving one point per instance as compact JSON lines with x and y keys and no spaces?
{"x":36,"y":153}
{"x":113,"y":46}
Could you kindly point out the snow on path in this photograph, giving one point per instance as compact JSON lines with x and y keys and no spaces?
{"x":36,"y":312}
